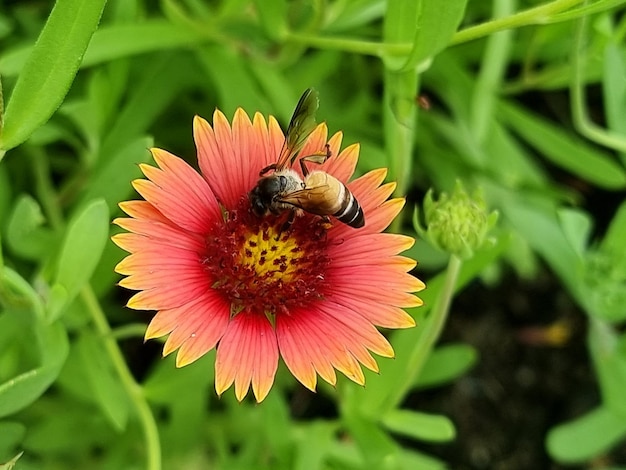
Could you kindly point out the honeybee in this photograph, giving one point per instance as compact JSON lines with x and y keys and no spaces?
{"x":318,"y":193}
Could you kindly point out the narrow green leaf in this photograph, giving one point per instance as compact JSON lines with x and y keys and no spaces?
{"x":586,"y":437}
{"x":447,"y":363}
{"x":563,"y":149}
{"x":421,"y":426}
{"x":21,"y":391}
{"x":50,"y":68}
{"x":84,"y":242}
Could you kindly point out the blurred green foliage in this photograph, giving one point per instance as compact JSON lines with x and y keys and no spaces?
{"x":88,"y":87}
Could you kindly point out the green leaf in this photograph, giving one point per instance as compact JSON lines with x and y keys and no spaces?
{"x":273,"y":15}
{"x":563,"y":149}
{"x":436,"y":24}
{"x":446,"y":363}
{"x":26,"y":235}
{"x":148,"y":98}
{"x":277,"y":426}
{"x":17,"y":295}
{"x":537,"y":221}
{"x":50,"y":68}
{"x":610,"y":364}
{"x":237,"y":88}
{"x":586,"y":9}
{"x":1,"y":109}
{"x":614,"y":87}
{"x":111,"y":182}
{"x":166,"y":383}
{"x":70,"y":428}
{"x":577,"y":227}
{"x":313,"y":445}
{"x":586,"y":437}
{"x":11,"y":434}
{"x":378,"y":449}
{"x":411,"y":459}
{"x":421,"y":426}
{"x":84,"y":242}
{"x":24,"y":389}
{"x":6,"y":196}
{"x":613,"y":241}
{"x":104,"y":383}
{"x":116,"y":41}
{"x":354,"y":14}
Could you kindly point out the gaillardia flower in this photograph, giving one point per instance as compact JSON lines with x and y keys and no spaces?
{"x":256,"y":287}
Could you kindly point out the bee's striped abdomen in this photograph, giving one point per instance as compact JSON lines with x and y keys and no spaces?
{"x":350,"y":213}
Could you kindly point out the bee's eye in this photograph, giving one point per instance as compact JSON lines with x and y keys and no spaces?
{"x":282,"y":183}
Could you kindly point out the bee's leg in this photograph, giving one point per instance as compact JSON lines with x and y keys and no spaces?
{"x":318,"y":158}
{"x":326,"y":223}
{"x":267,"y":168}
{"x":287,"y":224}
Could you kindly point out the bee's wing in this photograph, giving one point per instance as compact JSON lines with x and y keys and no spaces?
{"x":300,"y":127}
{"x":313,"y":200}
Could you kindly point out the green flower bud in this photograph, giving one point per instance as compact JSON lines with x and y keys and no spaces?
{"x":457,"y":223}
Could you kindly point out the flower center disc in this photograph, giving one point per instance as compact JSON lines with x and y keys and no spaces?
{"x":265,"y":265}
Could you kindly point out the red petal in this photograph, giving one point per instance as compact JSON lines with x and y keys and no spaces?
{"x":247,"y":354}
{"x":178,"y":192}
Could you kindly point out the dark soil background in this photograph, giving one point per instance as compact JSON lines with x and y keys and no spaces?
{"x":522,"y":385}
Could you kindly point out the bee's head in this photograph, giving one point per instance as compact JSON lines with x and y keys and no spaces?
{"x":264,"y":193}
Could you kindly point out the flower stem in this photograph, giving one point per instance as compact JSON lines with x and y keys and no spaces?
{"x":493,"y":66}
{"x":580,"y":116}
{"x":44,"y":188}
{"x":431,"y":330}
{"x":537,"y":15}
{"x":133,"y":389}
{"x":541,"y":14}
{"x":399,"y":116}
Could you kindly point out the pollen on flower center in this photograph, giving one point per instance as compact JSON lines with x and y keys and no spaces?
{"x":272,"y":255}
{"x":262,"y":265}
